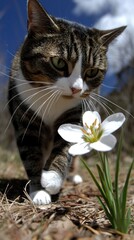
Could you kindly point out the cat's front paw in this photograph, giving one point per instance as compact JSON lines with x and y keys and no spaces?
{"x":40,"y":197}
{"x":51,"y":181}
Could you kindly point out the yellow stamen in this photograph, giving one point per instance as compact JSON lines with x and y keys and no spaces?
{"x":94,"y":134}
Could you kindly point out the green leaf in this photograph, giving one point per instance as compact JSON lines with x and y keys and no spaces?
{"x":123,"y":195}
{"x":104,"y":183}
{"x":106,"y":170}
{"x":94,"y":179}
{"x":128,"y":220}
{"x":106,"y":210}
{"x":117,"y":173}
{"x":105,"y":193}
{"x":114,"y":204}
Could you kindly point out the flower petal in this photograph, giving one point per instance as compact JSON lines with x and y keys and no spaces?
{"x":70,"y":132}
{"x":89,"y":117}
{"x":79,"y":149}
{"x":112,"y":123}
{"x":106,"y":143}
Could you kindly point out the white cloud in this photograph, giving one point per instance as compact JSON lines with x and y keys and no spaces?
{"x":89,"y":6}
{"x":96,"y":6}
{"x":119,"y":13}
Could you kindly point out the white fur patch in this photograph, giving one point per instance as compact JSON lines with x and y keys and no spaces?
{"x":77,"y":179}
{"x":40,"y":197}
{"x":73,"y":81}
{"x":51,"y":181}
{"x":49,"y":103}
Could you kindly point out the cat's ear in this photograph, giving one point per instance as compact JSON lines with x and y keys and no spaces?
{"x":39,"y":20}
{"x":108,"y":36}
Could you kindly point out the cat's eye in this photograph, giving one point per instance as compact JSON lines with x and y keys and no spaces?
{"x":58,"y":63}
{"x":91,"y":73}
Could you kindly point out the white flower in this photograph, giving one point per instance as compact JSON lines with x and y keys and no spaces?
{"x":93,"y":134}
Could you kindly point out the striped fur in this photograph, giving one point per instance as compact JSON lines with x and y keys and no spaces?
{"x":57,"y":66}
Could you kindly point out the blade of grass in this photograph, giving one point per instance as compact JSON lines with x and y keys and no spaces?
{"x":104,"y":183}
{"x":108,"y":214}
{"x":108,"y":175}
{"x":128,"y":220}
{"x":123,"y":195}
{"x":94,"y":179}
{"x":117,"y":173}
{"x":106,"y":170}
{"x":102,"y":191}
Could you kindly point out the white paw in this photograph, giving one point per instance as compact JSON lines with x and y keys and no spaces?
{"x":51,"y":181}
{"x":40,"y":197}
{"x":77,"y":179}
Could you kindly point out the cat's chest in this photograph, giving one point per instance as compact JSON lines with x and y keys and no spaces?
{"x":46,"y":103}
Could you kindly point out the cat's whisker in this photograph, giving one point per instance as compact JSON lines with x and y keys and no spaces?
{"x":91,"y":104}
{"x":10,"y":120}
{"x":13,"y":55}
{"x":27,"y":83}
{"x":102,"y":105}
{"x":110,"y":87}
{"x":22,"y":80}
{"x":106,"y":105}
{"x":8,"y":75}
{"x":53,"y":100}
{"x":88,"y":102}
{"x":37,"y":112}
{"x":25,"y":100}
{"x":86,"y":105}
{"x":4,"y":66}
{"x":28,"y":90}
{"x":44,"y":95}
{"x":83,"y":106}
{"x":49,"y":100}
{"x":114,"y":104}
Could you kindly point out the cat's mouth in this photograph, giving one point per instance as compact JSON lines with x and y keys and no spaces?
{"x":81,"y":96}
{"x":76,"y":94}
{"x":68,"y":97}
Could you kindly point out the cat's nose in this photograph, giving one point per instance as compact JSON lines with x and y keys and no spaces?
{"x":75,"y":90}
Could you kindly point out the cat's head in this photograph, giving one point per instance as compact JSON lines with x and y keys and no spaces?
{"x":69,"y":56}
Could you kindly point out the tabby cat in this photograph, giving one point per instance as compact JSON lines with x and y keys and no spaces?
{"x":57,"y":67}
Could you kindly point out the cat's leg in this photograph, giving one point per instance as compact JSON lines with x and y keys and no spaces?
{"x":37,"y":193}
{"x":33,"y":160}
{"x":33,"y":165}
{"x":39,"y":197}
{"x":53,"y":178}
{"x":51,"y":181}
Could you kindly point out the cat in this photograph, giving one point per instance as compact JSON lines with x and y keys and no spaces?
{"x":57,"y":67}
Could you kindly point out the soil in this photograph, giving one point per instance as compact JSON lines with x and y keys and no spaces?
{"x":74,"y":215}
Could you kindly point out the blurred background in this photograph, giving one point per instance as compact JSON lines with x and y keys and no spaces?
{"x":118,"y":86}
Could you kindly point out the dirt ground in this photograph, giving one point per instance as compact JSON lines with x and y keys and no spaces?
{"x":74,"y":215}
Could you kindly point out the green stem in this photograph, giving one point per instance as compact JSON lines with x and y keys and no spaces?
{"x":112,"y":202}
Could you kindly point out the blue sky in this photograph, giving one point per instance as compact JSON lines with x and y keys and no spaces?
{"x":13,"y":24}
